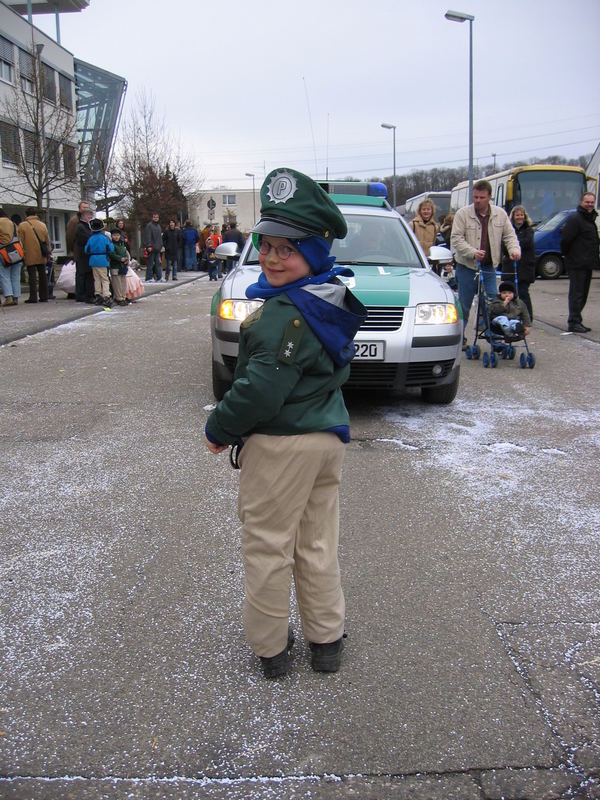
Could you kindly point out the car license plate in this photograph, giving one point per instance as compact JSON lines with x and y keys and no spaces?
{"x":370,"y":351}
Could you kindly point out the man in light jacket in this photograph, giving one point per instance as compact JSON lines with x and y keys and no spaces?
{"x":478,"y":232}
{"x":32,"y":233}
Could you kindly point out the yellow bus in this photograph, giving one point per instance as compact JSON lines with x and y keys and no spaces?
{"x":544,"y":189}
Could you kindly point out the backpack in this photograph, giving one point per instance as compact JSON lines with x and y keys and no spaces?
{"x":12,"y":253}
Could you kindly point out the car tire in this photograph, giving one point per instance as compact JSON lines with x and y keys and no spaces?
{"x":220,"y":386}
{"x":441,"y":395}
{"x":551,"y":267}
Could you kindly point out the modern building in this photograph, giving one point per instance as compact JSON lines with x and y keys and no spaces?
{"x":75,"y":128}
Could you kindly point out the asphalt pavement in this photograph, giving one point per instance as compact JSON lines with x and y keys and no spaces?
{"x":26,"y":319}
{"x":469,"y":555}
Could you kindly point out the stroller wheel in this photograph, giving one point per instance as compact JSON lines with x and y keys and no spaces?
{"x":494,"y":360}
{"x":511,"y":352}
{"x":476,"y":351}
{"x":505,"y":352}
{"x":469,"y":352}
{"x":486,"y":360}
{"x":530,"y":360}
{"x":523,"y":360}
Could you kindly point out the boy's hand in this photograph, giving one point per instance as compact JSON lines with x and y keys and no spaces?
{"x":506,"y":301}
{"x":215,"y":448}
{"x":527,"y":330}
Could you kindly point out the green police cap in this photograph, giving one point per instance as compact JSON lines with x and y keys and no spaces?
{"x":296,"y":207}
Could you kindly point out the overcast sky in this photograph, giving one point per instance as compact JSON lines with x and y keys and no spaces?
{"x":252,"y":85}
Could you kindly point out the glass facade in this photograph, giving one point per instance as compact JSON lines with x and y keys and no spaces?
{"x":99,"y":99}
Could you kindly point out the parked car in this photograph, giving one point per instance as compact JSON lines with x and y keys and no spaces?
{"x":412,"y":336}
{"x":546,"y":239}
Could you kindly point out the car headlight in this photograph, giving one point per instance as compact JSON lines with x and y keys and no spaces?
{"x":436,"y":314}
{"x":238,"y":309}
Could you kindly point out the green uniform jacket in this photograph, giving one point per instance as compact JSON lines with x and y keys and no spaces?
{"x":115,"y":257}
{"x":284,"y":383}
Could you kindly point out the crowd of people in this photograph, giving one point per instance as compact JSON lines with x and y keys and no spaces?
{"x":484,"y":239}
{"x":102,"y":256}
{"x":185,"y":249}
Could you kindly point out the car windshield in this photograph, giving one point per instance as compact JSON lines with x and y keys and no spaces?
{"x":371,"y":239}
{"x":554,"y":221}
{"x":376,"y":240}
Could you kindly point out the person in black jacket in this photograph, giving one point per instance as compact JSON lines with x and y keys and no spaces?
{"x":172,"y":244}
{"x":526,"y":265}
{"x":580,"y":245}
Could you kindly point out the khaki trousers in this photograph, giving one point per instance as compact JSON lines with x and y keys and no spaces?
{"x":289,"y":509}
{"x":118,"y":284}
{"x":101,"y":282}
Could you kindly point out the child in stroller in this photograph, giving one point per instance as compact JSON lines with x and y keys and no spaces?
{"x":508,"y":314}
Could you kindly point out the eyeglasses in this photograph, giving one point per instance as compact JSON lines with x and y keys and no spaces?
{"x":283,"y":251}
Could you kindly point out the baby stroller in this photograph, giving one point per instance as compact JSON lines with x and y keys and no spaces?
{"x":502,"y":344}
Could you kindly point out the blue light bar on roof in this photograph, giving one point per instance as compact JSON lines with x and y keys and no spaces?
{"x":364,"y":188}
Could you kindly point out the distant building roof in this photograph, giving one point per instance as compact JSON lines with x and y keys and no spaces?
{"x":47,"y":6}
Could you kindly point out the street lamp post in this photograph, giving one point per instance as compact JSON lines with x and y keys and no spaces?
{"x":459,"y":16}
{"x":252,"y":175}
{"x":393,"y":129}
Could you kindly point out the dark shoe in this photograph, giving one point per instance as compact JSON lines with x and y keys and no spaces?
{"x":276,"y":666}
{"x":31,"y":300}
{"x":175,"y":279}
{"x":576,"y":328}
{"x":464,"y":344}
{"x":326,"y":657}
{"x":43,"y":301}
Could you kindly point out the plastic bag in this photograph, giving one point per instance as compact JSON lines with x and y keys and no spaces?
{"x":66,"y":280}
{"x":134,"y":288}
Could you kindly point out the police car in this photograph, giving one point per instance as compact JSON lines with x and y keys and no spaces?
{"x":412,"y":336}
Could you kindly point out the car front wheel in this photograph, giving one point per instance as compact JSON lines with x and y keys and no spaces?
{"x":550,"y":267}
{"x":441,"y":395}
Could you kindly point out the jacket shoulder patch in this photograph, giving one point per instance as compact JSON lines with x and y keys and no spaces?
{"x":291,"y":341}
{"x":252,"y":318}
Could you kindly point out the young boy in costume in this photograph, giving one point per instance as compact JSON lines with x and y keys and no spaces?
{"x":98,"y":247}
{"x":119,"y":259}
{"x":286,"y":407}
{"x":508,"y":313}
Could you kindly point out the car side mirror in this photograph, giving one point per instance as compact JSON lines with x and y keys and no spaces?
{"x":439,"y":255}
{"x":227,"y":250}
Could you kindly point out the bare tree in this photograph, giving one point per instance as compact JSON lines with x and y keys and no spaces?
{"x":39,"y":127}
{"x":152,"y":171}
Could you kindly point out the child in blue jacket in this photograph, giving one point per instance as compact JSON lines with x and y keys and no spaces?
{"x":98,"y":247}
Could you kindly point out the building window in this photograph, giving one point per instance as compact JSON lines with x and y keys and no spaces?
{"x":228,"y":199}
{"x":54,"y":230}
{"x":31,"y":150}
{"x":9,"y":141}
{"x":53,"y":156}
{"x":48,"y":83}
{"x":27,"y":71}
{"x":66,"y":92}
{"x":70,"y":161}
{"x":7,"y":60}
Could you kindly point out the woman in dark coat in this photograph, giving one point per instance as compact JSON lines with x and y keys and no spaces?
{"x":526,"y":266}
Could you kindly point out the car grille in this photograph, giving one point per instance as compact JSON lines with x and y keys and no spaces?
{"x":377,"y":374}
{"x":230,"y":362}
{"x":396,"y":376}
{"x":383,"y":318}
{"x":374,"y":374}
